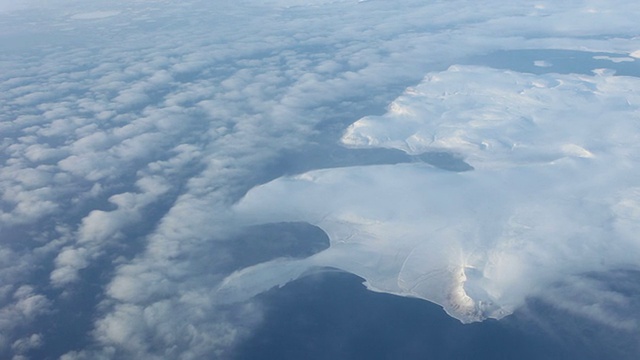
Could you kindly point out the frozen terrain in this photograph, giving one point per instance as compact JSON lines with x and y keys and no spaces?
{"x":554,"y":192}
{"x":165,"y":165}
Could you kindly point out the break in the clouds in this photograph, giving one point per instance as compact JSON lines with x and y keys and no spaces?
{"x":130,"y":130}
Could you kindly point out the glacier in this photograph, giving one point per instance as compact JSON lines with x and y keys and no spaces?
{"x":553,"y":193}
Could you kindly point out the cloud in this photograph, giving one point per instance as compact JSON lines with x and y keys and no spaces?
{"x":591,"y":298}
{"x":129,"y":135}
{"x":16,"y":313}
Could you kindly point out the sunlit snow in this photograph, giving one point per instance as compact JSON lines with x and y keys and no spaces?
{"x":473,"y":154}
{"x":553,"y":193}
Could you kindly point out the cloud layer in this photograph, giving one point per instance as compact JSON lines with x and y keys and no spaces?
{"x":131,"y":128}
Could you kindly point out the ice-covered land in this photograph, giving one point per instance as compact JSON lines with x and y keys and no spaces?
{"x":159,"y":160}
{"x":554,"y":192}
